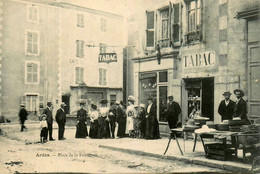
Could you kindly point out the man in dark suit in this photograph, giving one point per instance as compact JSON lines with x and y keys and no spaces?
{"x":120,"y":119}
{"x":240,"y":110}
{"x":23,"y":116}
{"x":152,"y":124}
{"x":61,"y":120}
{"x":226,"y":107}
{"x":48,"y":112}
{"x":173,"y":111}
{"x":112,"y":118}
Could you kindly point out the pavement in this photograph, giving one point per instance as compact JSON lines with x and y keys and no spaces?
{"x":141,"y":147}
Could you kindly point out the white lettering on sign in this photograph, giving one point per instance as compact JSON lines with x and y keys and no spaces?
{"x":199,"y":59}
{"x":107,"y":57}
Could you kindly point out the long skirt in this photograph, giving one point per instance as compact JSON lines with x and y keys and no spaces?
{"x":152,"y":128}
{"x":82,"y":131}
{"x":93,"y":133}
{"x":121,"y":127}
{"x":103,"y":128}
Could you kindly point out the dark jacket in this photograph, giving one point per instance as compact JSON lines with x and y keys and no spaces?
{"x":82,"y":115}
{"x":153,"y":110}
{"x":119,"y":114}
{"x":240,"y":109}
{"x":49,"y":118}
{"x":23,"y":114}
{"x":60,"y":116}
{"x":173,"y":111}
{"x":226,"y":112}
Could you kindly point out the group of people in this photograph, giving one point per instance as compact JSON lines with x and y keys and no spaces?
{"x":228,"y":109}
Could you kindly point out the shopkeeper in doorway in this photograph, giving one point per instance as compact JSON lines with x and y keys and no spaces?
{"x":240,"y":110}
{"x":226,"y":107}
{"x":173,"y":111}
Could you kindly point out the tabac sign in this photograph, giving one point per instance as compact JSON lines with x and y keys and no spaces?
{"x":107,"y":57}
{"x":203,"y":59}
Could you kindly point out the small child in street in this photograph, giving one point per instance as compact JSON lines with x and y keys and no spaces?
{"x":44,"y":129}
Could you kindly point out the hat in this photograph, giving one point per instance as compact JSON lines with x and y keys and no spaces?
{"x":117,"y":102}
{"x":136,"y":106}
{"x":227,"y":93}
{"x":82,"y":103}
{"x":170,"y":97}
{"x":239,"y":90}
{"x":103,"y":101}
{"x":63,"y":104}
{"x":22,"y":105}
{"x":93,"y":106}
{"x":142,"y":105}
{"x":131,"y":98}
{"x":48,"y":102}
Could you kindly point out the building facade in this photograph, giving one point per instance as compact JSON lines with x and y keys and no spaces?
{"x":46,"y":57}
{"x":195,"y":50}
{"x":29,"y":56}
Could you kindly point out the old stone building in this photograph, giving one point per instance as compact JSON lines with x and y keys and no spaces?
{"x":195,"y":50}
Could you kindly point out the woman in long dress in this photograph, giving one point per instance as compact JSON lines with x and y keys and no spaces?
{"x":103,"y":121}
{"x":82,"y":131}
{"x":94,"y":115}
{"x":131,"y":114}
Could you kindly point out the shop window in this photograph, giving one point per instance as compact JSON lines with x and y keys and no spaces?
{"x":148,"y":87}
{"x":163,"y":76}
{"x":32,"y":43}
{"x":80,"y":48}
{"x":80,"y":20}
{"x":79,"y":75}
{"x":162,"y":103}
{"x":194,"y":21}
{"x":150,"y":29}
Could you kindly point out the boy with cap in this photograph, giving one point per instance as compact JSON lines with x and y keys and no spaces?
{"x":44,"y":129}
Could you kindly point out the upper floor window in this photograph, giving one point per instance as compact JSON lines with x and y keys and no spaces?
{"x":79,"y":75}
{"x":103,"y":24}
{"x":194,"y":13}
{"x":32,"y":73}
{"x":80,"y":20}
{"x":165,"y":23}
{"x":32,"y":43}
{"x":80,"y":48}
{"x":102,"y":48}
{"x":32,"y":13}
{"x":150,"y":29}
{"x":102,"y":76}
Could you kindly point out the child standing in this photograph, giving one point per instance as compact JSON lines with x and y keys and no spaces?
{"x":44,"y":129}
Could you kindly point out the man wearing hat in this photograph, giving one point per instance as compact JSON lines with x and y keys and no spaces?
{"x":240,"y":110}
{"x":173,"y":110}
{"x":23,"y":116}
{"x":120,"y":119}
{"x":61,"y":120}
{"x":48,"y":112}
{"x":226,"y":107}
{"x":152,"y":124}
{"x":112,"y":118}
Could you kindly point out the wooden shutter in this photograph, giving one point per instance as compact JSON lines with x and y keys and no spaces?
{"x":77,"y":75}
{"x":77,"y":48}
{"x":82,"y":49}
{"x":150,"y":29}
{"x":175,"y":24}
{"x":100,"y":76}
{"x":104,"y":76}
{"x":81,"y":74}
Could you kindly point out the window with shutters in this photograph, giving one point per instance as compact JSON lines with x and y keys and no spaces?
{"x":32,"y":71}
{"x":32,"y":13}
{"x":102,"y":76}
{"x":31,"y":103}
{"x":80,"y":20}
{"x":176,"y":23}
{"x":32,"y":44}
{"x":103,"y":24}
{"x":164,"y":17}
{"x":150,"y":29}
{"x":194,"y":21}
{"x":79,"y":75}
{"x":80,"y":48}
{"x":102,"y":48}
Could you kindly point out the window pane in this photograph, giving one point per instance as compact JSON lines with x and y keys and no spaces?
{"x":165,"y":29}
{"x":29,"y":37}
{"x":148,"y":88}
{"x":176,"y":33}
{"x":192,"y":5}
{"x":104,"y":76}
{"x":29,"y":77}
{"x":163,"y":76}
{"x":35,"y":67}
{"x":165,"y":14}
{"x":162,"y":103}
{"x":29,"y":67}
{"x":81,"y":74}
{"x":35,"y":78}
{"x":150,"y":20}
{"x":198,"y":18}
{"x":150,"y":38}
{"x":198,"y":3}
{"x":176,"y":13}
{"x":35,"y":49}
{"x":29,"y":47}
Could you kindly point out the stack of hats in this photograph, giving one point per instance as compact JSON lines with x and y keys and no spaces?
{"x":190,"y":125}
{"x":250,"y":129}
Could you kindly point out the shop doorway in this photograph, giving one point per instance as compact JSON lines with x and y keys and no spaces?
{"x":66,"y":100}
{"x":200,"y":97}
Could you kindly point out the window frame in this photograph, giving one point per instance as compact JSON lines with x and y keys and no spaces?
{"x":83,"y":75}
{"x":26,"y":72}
{"x":38,"y":42}
{"x":150,"y":29}
{"x":102,"y":76}
{"x":196,"y":15}
{"x":80,"y":20}
{"x":37,"y":14}
{"x":80,"y":48}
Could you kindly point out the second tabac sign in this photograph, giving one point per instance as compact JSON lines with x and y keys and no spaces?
{"x":107,"y":57}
